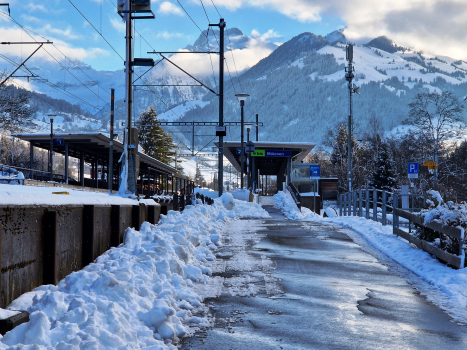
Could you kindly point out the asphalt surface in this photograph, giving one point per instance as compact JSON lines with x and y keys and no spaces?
{"x":307,"y":285}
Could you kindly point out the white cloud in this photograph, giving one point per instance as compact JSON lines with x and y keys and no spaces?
{"x":268,"y":35}
{"x":167,"y":8}
{"x":169,"y":35}
{"x":118,"y":24}
{"x":14,"y":51}
{"x":36,"y":7}
{"x":256,"y":50}
{"x":436,"y":26}
{"x":31,"y":19}
{"x":67,"y":33}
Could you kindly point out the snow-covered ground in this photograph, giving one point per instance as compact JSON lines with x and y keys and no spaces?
{"x":139,"y":295}
{"x":35,"y":195}
{"x":144,"y":295}
{"x":442,"y":285}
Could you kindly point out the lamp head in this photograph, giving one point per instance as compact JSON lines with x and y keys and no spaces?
{"x":51,"y":117}
{"x":242,"y":97}
{"x":248,"y":126}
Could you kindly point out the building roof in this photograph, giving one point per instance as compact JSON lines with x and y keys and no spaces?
{"x":94,"y":146}
{"x":268,"y":165}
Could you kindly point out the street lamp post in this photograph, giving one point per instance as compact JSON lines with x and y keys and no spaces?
{"x":250,"y":148}
{"x":242,"y":98}
{"x":51,"y":160}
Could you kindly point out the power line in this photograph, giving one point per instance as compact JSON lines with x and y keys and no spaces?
{"x":189,"y":17}
{"x":96,"y":30}
{"x":216,"y":9}
{"x":54,"y":86}
{"x":23,"y":28}
{"x":233,"y":58}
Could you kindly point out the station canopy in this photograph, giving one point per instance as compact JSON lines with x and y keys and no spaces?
{"x":94,"y":146}
{"x":270,"y":156}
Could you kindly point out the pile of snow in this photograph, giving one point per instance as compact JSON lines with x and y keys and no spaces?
{"x":447,"y":286}
{"x":138,"y":295}
{"x":243,"y":195}
{"x":36,"y":195}
{"x":285,"y":202}
{"x":450,"y":213}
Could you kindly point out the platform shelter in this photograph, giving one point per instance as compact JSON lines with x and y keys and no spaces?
{"x":270,"y":158}
{"x":93,"y":149}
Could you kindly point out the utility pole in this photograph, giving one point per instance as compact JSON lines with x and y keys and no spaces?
{"x":131,"y":186}
{"x":221,"y":131}
{"x":131,"y":10}
{"x":257,"y":128}
{"x":111,"y":143}
{"x":51,"y":160}
{"x":352,"y":88}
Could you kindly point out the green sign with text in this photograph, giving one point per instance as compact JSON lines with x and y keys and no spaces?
{"x":259,"y":153}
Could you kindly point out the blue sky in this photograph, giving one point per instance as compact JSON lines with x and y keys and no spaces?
{"x":172,"y":29}
{"x":431,"y":25}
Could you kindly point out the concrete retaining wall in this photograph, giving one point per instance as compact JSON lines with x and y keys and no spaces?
{"x":43,"y":244}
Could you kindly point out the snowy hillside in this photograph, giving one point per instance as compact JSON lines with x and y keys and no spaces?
{"x":300,"y":89}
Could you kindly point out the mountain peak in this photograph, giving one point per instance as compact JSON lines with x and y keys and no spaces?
{"x":212,"y":34}
{"x":385,"y":44}
{"x":337,"y":35}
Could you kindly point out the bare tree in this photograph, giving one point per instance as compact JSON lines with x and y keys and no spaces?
{"x":437,"y":116}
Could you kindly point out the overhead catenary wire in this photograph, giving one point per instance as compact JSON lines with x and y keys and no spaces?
{"x":163,"y":64}
{"x":61,"y":52}
{"x":96,"y":30}
{"x":54,"y":86}
{"x":216,"y":8}
{"x":233,"y":59}
{"x":191,"y":18}
{"x":53,"y":57}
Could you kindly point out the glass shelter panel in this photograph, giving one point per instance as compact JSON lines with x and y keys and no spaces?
{"x":301,"y":178}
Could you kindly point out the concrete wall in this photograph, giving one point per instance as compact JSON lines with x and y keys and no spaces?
{"x":43,"y":244}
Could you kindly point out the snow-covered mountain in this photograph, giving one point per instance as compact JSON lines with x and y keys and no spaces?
{"x":299,"y":90}
{"x":297,"y":87}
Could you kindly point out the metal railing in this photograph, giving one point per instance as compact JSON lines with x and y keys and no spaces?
{"x":295,"y":194}
{"x":30,"y":174}
{"x":376,"y":204}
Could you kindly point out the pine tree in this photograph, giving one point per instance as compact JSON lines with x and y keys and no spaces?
{"x":155,"y":142}
{"x":383,"y":177}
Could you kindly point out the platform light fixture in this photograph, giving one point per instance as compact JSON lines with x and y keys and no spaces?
{"x":242,"y":98}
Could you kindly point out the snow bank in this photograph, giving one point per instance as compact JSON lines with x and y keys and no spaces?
{"x":286,"y":204}
{"x":35,"y":195}
{"x":243,"y":195}
{"x":448,"y":285}
{"x":138,"y":295}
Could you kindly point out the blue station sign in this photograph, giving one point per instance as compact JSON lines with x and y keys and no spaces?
{"x":278,"y":153}
{"x":315,"y":172}
{"x":268,"y":153}
{"x":59,"y":142}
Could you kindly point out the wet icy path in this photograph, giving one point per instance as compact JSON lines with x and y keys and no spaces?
{"x":304,"y":285}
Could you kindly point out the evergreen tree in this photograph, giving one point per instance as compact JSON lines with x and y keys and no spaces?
{"x":383,"y":177}
{"x":155,"y":142}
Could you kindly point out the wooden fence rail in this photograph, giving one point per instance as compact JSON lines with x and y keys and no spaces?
{"x":358,"y":203}
{"x":453,"y":232}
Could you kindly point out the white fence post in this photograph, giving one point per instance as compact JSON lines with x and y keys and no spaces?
{"x":383,"y":203}
{"x":367,"y":204}
{"x":375,"y":205}
{"x":395,"y":218}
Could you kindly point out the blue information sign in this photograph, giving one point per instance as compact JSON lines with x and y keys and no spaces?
{"x":315,"y":172}
{"x":269,"y":152}
{"x":239,"y":151}
{"x":277,"y":153}
{"x":413,"y":171}
{"x":59,"y":142}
